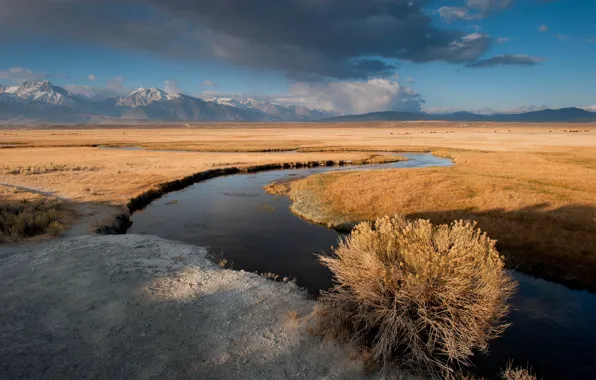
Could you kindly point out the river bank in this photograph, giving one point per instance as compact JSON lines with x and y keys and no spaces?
{"x":544,"y":224}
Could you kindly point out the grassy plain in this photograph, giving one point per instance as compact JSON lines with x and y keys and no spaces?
{"x":530,"y":186}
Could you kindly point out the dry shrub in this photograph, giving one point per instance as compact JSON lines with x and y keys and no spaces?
{"x":45,"y":168}
{"x":55,"y":228}
{"x":517,"y":373}
{"x":26,"y":218}
{"x":421,"y":297}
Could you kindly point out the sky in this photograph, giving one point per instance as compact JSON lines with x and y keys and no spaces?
{"x":349,"y":56}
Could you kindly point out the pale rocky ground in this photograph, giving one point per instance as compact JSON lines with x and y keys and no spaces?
{"x":139,"y":307}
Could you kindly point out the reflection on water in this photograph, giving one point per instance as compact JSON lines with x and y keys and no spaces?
{"x":552,"y":328}
{"x":228,"y":215}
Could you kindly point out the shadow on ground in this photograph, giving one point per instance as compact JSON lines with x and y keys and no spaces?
{"x":556,"y":244}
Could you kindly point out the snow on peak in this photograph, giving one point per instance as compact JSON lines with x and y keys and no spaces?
{"x":144,"y":96}
{"x":40,"y":91}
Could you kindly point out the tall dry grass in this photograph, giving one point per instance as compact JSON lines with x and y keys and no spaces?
{"x":418,"y":296}
{"x":45,"y":168}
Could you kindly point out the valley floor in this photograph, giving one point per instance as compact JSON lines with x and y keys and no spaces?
{"x":530,"y":186}
{"x":127,"y":306}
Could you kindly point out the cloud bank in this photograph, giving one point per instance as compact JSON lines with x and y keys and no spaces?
{"x":343,"y":39}
{"x":507,"y":60}
{"x":20,"y":74}
{"x":354,"y":97}
{"x":473,"y":10}
{"x":113,"y":88}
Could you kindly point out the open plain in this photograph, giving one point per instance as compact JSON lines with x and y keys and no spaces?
{"x":531,"y":187}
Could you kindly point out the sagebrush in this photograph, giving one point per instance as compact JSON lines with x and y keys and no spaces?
{"x":418,"y":296}
{"x":45,"y":168}
{"x":26,"y":218}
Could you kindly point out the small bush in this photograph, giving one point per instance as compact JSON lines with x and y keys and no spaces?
{"x":26,"y":218}
{"x":45,"y":168}
{"x":55,"y":228}
{"x":420,"y":297}
{"x":517,"y":373}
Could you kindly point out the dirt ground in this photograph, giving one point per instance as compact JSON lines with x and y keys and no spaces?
{"x":138,"y":307}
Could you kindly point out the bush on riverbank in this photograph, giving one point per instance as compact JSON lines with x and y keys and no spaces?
{"x":418,"y":296}
{"x":26,"y":218}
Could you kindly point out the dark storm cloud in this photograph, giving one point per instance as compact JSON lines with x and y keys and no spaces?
{"x":317,"y":38}
{"x":507,"y":60}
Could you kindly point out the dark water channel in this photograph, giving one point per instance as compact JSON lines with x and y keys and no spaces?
{"x":553,"y":327}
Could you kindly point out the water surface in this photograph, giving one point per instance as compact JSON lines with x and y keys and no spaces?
{"x":251,"y":229}
{"x":553,"y":327}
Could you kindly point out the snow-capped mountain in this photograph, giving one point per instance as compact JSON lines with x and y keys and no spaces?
{"x":143,"y":97}
{"x":41,"y":92}
{"x":274,"y":111}
{"x":155,"y":104}
{"x":42,"y":101}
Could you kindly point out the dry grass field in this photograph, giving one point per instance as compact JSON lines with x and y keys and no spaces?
{"x":531,"y":186}
{"x":539,"y":205}
{"x":251,"y":137}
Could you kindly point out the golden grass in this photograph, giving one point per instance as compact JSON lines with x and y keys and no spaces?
{"x":420,"y":297}
{"x":119,"y":175}
{"x":44,"y":168}
{"x":525,"y":165}
{"x":540,"y":206}
{"x":394,"y":136}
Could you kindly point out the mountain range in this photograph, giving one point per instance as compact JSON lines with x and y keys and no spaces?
{"x":571,"y":114}
{"x":43,"y":102}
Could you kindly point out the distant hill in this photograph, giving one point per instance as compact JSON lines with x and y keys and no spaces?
{"x":544,"y":116}
{"x":382,"y":116}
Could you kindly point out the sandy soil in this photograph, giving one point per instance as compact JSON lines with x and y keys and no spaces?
{"x":123,"y":307}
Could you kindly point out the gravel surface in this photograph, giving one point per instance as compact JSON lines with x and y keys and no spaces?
{"x":139,"y":307}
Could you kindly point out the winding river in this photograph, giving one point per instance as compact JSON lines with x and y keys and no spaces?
{"x":553,"y":327}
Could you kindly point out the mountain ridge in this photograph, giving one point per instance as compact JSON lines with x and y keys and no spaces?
{"x":42,"y":101}
{"x":569,"y":114}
